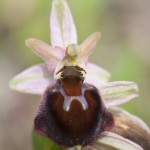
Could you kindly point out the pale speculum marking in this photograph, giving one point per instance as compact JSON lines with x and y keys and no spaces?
{"x":69,"y":99}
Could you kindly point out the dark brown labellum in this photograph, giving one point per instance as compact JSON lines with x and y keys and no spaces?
{"x":72,"y":112}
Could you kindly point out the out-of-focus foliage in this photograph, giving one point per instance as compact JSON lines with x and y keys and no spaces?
{"x":123,"y":50}
{"x":43,"y":143}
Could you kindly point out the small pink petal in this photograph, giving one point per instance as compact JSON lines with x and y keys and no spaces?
{"x":62,"y":27}
{"x":46,"y":52}
{"x":119,"y":92}
{"x":88,"y":46}
{"x":33,"y":80}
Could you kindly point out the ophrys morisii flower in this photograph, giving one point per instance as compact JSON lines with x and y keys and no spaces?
{"x":73,"y":110}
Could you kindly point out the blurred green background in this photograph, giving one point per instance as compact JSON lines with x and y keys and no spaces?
{"x":124,"y":50}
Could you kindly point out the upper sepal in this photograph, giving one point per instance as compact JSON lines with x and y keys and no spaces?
{"x":62,"y":27}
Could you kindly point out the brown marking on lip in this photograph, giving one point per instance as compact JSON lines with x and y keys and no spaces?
{"x":76,"y":121}
{"x":72,"y":85}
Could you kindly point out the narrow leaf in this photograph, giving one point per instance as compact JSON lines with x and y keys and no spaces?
{"x":50,"y":55}
{"x":112,"y":141}
{"x":62,"y":27}
{"x":119,"y":92}
{"x":33,"y":80}
{"x":88,"y":46}
{"x":43,"y":143}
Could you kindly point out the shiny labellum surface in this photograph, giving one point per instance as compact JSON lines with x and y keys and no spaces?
{"x":69,"y":116}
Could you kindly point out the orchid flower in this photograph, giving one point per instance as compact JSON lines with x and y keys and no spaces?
{"x":44,"y":79}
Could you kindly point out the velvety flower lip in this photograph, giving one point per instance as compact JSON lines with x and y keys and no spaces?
{"x":76,"y":126}
{"x":39,"y":79}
